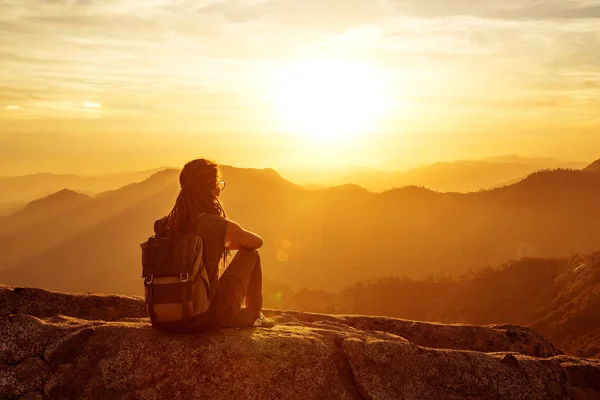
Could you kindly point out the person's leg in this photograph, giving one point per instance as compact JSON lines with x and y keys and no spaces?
{"x":242,"y":278}
{"x":254,"y":295}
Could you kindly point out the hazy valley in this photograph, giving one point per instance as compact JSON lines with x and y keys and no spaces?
{"x":339,"y":249}
{"x":316,"y":238}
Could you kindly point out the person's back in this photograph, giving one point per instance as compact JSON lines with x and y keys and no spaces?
{"x":198,"y":213}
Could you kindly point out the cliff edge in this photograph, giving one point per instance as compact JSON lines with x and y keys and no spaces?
{"x":88,"y":346}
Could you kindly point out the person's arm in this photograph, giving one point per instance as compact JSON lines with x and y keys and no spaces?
{"x":232,"y":246}
{"x":237,"y":237}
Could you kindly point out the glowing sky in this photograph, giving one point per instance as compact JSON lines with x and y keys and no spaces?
{"x":120,"y":84}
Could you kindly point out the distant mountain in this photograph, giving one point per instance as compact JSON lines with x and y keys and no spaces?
{"x":464,"y":176}
{"x":558,"y":297}
{"x":7,"y":209}
{"x":541,"y":162}
{"x":593,"y":167}
{"x":41,"y":209}
{"x":322,"y":238}
{"x":25,"y":188}
{"x":457,"y":176}
{"x":70,"y":251}
{"x":16,"y":246}
{"x":100,"y":257}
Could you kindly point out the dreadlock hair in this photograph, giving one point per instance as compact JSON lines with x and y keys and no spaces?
{"x":197,"y":179}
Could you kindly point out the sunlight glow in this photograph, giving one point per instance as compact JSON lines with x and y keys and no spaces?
{"x":329,"y":100}
{"x":91,"y":104}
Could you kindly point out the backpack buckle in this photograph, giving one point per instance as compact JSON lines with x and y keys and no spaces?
{"x":184,"y":277}
{"x":149,"y":279}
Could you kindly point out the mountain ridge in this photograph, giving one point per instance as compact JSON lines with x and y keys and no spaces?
{"x":325,"y":238}
{"x":593,"y":167}
{"x":28,"y":241}
{"x":443,"y":176}
{"x":40,"y":209}
{"x":25,"y":188}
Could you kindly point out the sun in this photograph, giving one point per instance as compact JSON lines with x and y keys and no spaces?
{"x":329,"y":100}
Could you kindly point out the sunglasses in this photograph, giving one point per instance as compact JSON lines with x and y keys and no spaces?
{"x":222,"y":185}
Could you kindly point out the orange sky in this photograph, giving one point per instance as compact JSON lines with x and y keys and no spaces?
{"x":126,"y":84}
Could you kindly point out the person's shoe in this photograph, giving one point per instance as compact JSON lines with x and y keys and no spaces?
{"x":263,"y":322}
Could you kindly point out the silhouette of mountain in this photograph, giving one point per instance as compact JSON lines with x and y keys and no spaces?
{"x":158,"y":179}
{"x":457,"y":176}
{"x":321,"y":239}
{"x":593,"y":167}
{"x":7,"y":209}
{"x":44,"y":235}
{"x":540,"y":162}
{"x":73,"y":249}
{"x":25,"y":188}
{"x":41,"y":209}
{"x":558,"y":297}
{"x":103,"y":249}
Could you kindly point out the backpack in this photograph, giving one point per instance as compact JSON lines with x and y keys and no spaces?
{"x":176,"y":281}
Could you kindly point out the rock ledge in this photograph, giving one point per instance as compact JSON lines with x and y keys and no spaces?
{"x":86,"y":346}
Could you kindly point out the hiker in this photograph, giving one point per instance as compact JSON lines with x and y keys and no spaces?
{"x":186,"y":292}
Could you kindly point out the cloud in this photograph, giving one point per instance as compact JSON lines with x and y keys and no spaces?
{"x":508,"y":9}
{"x":213,"y":56}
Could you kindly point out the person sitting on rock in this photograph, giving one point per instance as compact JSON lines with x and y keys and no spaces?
{"x":198,"y":210}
